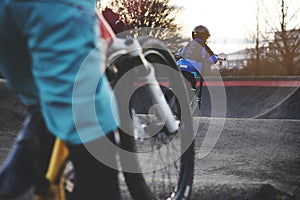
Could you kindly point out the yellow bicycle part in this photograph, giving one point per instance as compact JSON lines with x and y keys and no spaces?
{"x":56,"y":190}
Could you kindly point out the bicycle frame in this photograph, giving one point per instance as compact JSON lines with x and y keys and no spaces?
{"x":184,"y":65}
{"x":56,"y":190}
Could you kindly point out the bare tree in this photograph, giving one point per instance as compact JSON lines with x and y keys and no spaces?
{"x":147,"y":13}
{"x":156,"y":18}
{"x":254,"y":53}
{"x":284,"y":47}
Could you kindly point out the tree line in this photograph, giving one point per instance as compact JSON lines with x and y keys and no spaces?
{"x":277,"y":49}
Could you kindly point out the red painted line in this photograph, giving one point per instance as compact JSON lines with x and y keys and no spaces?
{"x":253,"y":83}
{"x":240,"y":83}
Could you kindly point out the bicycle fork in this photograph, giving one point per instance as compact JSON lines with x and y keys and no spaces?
{"x":199,"y":92}
{"x":133,"y":48}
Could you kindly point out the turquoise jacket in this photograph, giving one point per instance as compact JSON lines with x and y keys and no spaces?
{"x":52,"y":56}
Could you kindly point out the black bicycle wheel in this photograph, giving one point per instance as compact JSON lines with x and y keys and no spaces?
{"x":168,"y":174}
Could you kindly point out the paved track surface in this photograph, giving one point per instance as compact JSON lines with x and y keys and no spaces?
{"x":252,"y":159}
{"x":256,"y":154}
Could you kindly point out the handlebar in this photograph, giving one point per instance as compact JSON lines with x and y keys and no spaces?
{"x":177,"y":57}
{"x":222,"y":59}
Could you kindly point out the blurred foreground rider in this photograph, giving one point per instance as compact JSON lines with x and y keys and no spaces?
{"x":51,"y":57}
